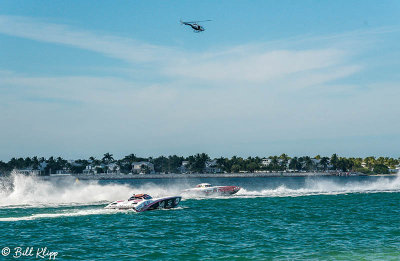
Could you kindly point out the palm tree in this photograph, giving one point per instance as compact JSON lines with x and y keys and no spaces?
{"x":294,"y":163}
{"x":107,"y":158}
{"x":35,"y":163}
{"x":370,"y":162}
{"x":284,"y":161}
{"x":324,"y":162}
{"x":94,"y":161}
{"x":130,"y":158}
{"x":334,"y":161}
{"x":308,"y":162}
{"x":274,"y":165}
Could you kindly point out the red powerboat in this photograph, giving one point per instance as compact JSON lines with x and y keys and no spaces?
{"x":208,"y":189}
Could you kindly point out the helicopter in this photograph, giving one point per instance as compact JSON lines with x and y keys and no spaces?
{"x":195,"y":26}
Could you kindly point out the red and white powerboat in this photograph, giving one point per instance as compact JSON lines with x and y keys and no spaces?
{"x":144,"y":202}
{"x":207,"y":189}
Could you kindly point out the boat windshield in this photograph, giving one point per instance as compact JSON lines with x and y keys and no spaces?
{"x":204,"y":185}
{"x":140,"y":196}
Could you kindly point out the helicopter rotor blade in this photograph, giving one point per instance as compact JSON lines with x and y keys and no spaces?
{"x":197,"y":21}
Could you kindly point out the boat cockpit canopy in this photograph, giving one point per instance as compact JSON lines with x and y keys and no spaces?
{"x":204,"y":185}
{"x":140,"y":196}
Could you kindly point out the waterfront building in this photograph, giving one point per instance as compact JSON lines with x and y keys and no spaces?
{"x":211,"y":167}
{"x":184,"y":167}
{"x":90,"y":170}
{"x":143,"y":167}
{"x":364,"y":164}
{"x":113,"y":168}
{"x":64,"y":170}
{"x":265,"y":162}
{"x":395,"y":170}
{"x":29,"y":171}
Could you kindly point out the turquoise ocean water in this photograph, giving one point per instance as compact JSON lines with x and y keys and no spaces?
{"x":325,"y":218}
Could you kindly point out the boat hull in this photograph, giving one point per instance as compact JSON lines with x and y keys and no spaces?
{"x":146,"y":205}
{"x":164,"y":203}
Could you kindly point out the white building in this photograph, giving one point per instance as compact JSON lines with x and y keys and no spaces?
{"x":395,"y":170}
{"x":63,"y":171}
{"x":364,"y":164}
{"x":113,"y":168}
{"x":90,"y":170}
{"x":211,"y":167}
{"x":29,"y":171}
{"x":184,"y":167}
{"x":316,"y":162}
{"x":143,"y":167}
{"x":265,"y":162}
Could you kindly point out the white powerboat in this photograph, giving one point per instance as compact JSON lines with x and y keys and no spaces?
{"x":144,"y":202}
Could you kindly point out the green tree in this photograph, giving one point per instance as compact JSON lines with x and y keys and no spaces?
{"x":308,"y":164}
{"x":370,"y":162}
{"x":284,"y":159}
{"x":235,"y":168}
{"x":107,"y":158}
{"x":381,"y":169}
{"x":145,"y":169}
{"x":224,"y":164}
{"x":334,"y":161}
{"x":197,"y":163}
{"x":161,"y":164}
{"x":294,"y":164}
{"x":174,"y":162}
{"x":252,"y":166}
{"x":344,"y":164}
{"x":35,"y":163}
{"x":324,"y":163}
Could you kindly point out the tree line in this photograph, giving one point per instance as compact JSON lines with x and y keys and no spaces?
{"x":198,"y":163}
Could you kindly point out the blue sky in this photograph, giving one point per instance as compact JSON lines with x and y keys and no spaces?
{"x":266,"y":77}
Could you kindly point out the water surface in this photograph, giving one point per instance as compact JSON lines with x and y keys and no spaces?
{"x":275,"y":218}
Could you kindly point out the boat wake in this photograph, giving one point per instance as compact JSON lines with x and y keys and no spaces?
{"x":326,"y":187}
{"x":65,"y":213}
{"x":22,"y":191}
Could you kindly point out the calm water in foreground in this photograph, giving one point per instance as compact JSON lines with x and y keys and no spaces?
{"x":326,"y":218}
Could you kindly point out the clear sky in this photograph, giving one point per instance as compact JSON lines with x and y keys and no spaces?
{"x":82,"y":78}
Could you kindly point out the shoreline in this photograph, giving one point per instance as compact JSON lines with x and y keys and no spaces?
{"x":205,"y":175}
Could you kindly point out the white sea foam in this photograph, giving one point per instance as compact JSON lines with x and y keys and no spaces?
{"x":25,"y":190}
{"x":327,"y":187}
{"x":76,"y":213}
{"x":66,"y":213}
{"x":29,"y":191}
{"x":20,"y":190}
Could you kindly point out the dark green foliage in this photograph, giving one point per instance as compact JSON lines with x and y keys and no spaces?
{"x":197,"y":164}
{"x":295,"y":164}
{"x":381,"y":169}
{"x":363,"y":170}
{"x":334,"y":161}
